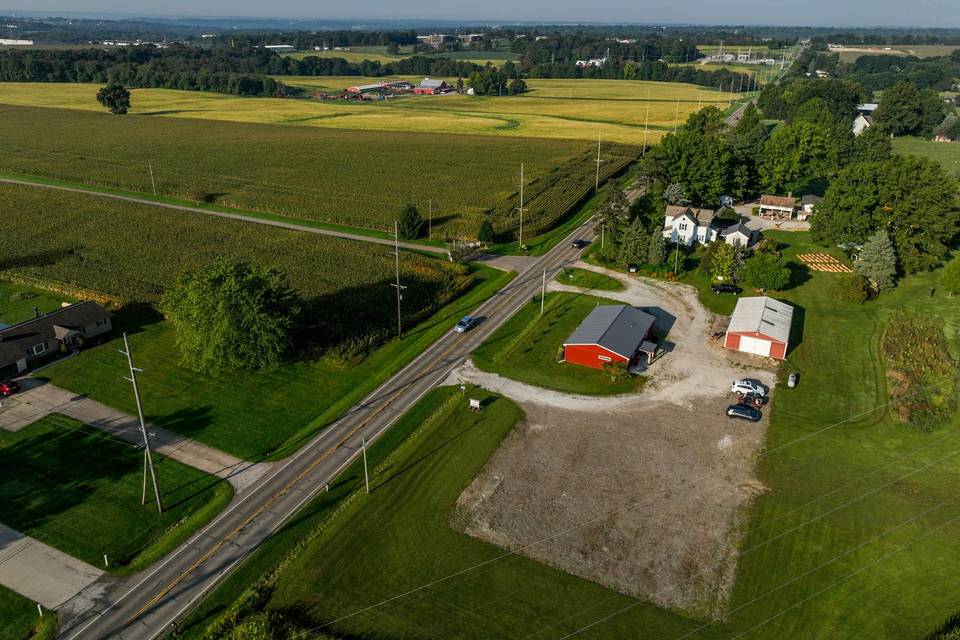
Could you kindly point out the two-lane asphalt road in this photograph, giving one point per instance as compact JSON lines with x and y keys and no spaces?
{"x":144,"y":606}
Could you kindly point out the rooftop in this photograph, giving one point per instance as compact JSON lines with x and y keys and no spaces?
{"x":618,"y":328}
{"x":778,"y":201}
{"x":762,"y":315}
{"x":16,"y":339}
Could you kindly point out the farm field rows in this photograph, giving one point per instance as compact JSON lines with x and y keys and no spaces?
{"x":358,"y":178}
{"x":853,"y":533}
{"x":134,"y":251}
{"x":570,"y":109}
{"x":77,"y":489}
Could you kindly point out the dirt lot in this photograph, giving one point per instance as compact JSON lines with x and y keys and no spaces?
{"x":646,"y":493}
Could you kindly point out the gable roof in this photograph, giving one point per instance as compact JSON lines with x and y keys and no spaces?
{"x":738,"y":227}
{"x":616,"y":327}
{"x":703,"y":217}
{"x":15,"y":340}
{"x":778,"y":201}
{"x":427,"y":83}
{"x":762,"y":315}
{"x":810,"y":199}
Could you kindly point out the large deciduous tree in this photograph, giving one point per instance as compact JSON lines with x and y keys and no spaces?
{"x":904,"y":110}
{"x":766,"y":271}
{"x":232,"y":316}
{"x":795,"y":155}
{"x":115,"y":97}
{"x":909,"y":197}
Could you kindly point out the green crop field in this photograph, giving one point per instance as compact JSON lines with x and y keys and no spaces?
{"x":19,"y":619}
{"x":851,"y":53}
{"x":566,"y":109}
{"x":74,"y":242}
{"x":946,"y":153}
{"x":358,"y":178}
{"x":77,"y":489}
{"x":526,"y":348}
{"x":853,"y":535}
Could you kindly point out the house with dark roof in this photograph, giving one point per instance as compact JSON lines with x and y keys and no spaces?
{"x":808,"y":206}
{"x":611,"y":333}
{"x":689,"y":225}
{"x":65,"y":329}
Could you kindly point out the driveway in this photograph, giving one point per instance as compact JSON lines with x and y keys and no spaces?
{"x":39,"y":399}
{"x":40,"y":572}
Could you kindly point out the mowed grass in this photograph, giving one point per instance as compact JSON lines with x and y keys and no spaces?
{"x":78,"y":489}
{"x":17,"y":302}
{"x":527,"y":348}
{"x":357,"y":178}
{"x":576,"y":277}
{"x":946,"y":153}
{"x":399,"y":540}
{"x":19,"y":619}
{"x":555,"y":109}
{"x":853,"y":536}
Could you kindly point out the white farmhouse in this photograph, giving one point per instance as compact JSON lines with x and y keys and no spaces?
{"x":689,"y":225}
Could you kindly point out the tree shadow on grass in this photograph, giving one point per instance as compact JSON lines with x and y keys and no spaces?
{"x":799,"y":275}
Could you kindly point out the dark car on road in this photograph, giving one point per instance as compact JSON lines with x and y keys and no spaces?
{"x":726,"y":288}
{"x":466,"y":323}
{"x":743,"y":413}
{"x":578,"y":244}
{"x":9,"y":388}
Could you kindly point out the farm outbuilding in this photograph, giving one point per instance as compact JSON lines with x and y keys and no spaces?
{"x":611,"y":333}
{"x":761,"y":326}
{"x":430,"y":87}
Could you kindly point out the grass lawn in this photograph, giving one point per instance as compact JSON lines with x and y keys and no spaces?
{"x":250,"y":415}
{"x":588,"y":280}
{"x":19,"y":619}
{"x":17,"y":302}
{"x":526,"y":348}
{"x":78,"y":490}
{"x":946,"y":153}
{"x":853,"y":536}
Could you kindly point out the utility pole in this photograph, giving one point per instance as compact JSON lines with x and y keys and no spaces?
{"x":676,"y":117}
{"x":676,"y":256}
{"x":646,"y":125}
{"x":153,"y":183}
{"x":596,"y":186}
{"x":366,"y":475}
{"x":397,"y":285}
{"x":430,"y":220}
{"x":543,"y":290}
{"x":147,"y":456}
{"x":520,"y":208}
{"x":719,"y":93}
{"x":603,"y":227}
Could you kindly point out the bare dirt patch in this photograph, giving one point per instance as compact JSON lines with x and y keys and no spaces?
{"x":646,"y":493}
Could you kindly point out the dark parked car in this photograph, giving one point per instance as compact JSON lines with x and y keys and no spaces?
{"x":578,"y":244}
{"x":9,"y":388}
{"x":743,"y":413}
{"x":726,"y":288}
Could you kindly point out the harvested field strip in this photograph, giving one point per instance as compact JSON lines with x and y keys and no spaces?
{"x":824,"y":262}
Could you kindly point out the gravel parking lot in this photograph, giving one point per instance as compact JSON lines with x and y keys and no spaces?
{"x":645,"y":493}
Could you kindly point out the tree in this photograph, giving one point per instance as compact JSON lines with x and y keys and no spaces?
{"x":849,"y":287}
{"x":485,"y":233}
{"x":517,"y":85}
{"x":746,"y":140}
{"x":232,"y":316}
{"x":766,"y":271}
{"x":614,"y":213}
{"x":878,"y":261}
{"x":909,"y":197}
{"x":795,"y":155}
{"x":617,"y":371}
{"x":872,"y":145}
{"x":950,"y":278}
{"x":633,"y":244}
{"x":115,"y":97}
{"x":899,"y":109}
{"x":411,"y":223}
{"x":674,"y":193}
{"x":656,"y":248}
{"x":723,"y":261}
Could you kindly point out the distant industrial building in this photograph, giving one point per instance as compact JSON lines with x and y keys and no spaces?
{"x":15,"y":42}
{"x":281,"y":48}
{"x":435,"y":40}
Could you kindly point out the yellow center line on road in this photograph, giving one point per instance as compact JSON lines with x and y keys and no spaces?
{"x":323,"y":456}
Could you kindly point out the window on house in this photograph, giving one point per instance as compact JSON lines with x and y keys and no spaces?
{"x":605,"y":358}
{"x":100,"y":323}
{"x":683,"y":226}
{"x":37,"y":349}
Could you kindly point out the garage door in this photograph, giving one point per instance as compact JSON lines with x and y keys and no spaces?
{"x":755,"y":345}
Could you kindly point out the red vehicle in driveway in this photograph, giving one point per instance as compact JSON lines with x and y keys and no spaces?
{"x":9,"y":388}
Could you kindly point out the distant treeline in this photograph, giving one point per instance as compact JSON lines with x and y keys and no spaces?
{"x":879,"y":72}
{"x":247,"y":71}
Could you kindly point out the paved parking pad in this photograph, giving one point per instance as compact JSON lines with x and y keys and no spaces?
{"x":40,"y":572}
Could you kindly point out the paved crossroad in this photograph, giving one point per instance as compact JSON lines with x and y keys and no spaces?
{"x":144,"y":606}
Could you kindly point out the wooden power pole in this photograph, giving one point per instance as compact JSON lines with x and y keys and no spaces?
{"x":147,"y":456}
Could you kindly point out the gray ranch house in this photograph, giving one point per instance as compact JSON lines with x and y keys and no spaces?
{"x":65,"y":329}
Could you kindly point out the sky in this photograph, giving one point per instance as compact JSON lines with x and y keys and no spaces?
{"x":929,"y":13}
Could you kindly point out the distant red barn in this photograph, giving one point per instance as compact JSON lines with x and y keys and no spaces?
{"x":611,"y":333}
{"x":430,"y":87}
{"x":761,"y":326}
